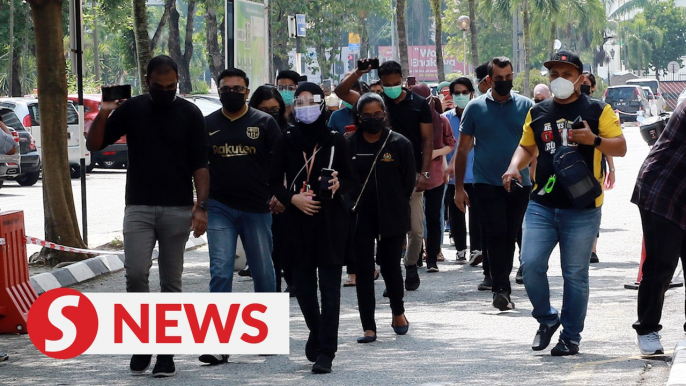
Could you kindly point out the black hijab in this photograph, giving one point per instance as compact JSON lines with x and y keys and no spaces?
{"x":307,"y":136}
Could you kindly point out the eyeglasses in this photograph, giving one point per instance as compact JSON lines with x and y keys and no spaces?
{"x":228,"y":89}
{"x":379,"y":115}
{"x":465,"y":92}
{"x":286,"y":88}
{"x":307,"y":101}
{"x":272,"y":111}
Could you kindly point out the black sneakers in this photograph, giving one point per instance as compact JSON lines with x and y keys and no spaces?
{"x":594,"y":258}
{"x":543,"y":336}
{"x":139,"y":364}
{"x":433,"y":268}
{"x":164,"y":367}
{"x":501,"y":301}
{"x":322,"y":365}
{"x":519,"y":277}
{"x":411,"y":278}
{"x":4,"y":356}
{"x":245,"y":272}
{"x":213,"y":359}
{"x":564,"y":347}
{"x":486,"y":285}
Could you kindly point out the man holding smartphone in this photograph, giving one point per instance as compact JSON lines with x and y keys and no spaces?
{"x":410,"y":115}
{"x":591,"y":128}
{"x":167,"y":154}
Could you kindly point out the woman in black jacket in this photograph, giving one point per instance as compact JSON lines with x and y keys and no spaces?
{"x":384,"y":164}
{"x":315,"y":228}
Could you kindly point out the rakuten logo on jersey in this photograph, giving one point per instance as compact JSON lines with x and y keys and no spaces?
{"x":64,"y":323}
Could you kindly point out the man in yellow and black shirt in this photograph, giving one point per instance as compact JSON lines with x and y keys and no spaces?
{"x":550,"y":217}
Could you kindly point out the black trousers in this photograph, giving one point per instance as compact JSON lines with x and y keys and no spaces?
{"x":278,"y":251}
{"x":321,"y":323}
{"x":665,"y":241}
{"x":388,"y":256}
{"x":458,"y":224}
{"x":503,"y":213}
{"x":433,"y":199}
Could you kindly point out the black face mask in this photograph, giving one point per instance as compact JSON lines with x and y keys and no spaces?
{"x":585,"y":89}
{"x":232,"y":102}
{"x":162,"y":97}
{"x":372,"y":126}
{"x":502,"y":87}
{"x":276,"y":115}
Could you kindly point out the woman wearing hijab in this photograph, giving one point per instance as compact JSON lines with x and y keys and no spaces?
{"x":316,"y":219}
{"x":384,"y":164}
{"x":541,"y":93}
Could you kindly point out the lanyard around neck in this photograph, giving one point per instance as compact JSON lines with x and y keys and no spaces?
{"x":311,"y":162}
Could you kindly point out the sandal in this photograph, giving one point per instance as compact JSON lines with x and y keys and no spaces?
{"x":440,"y":257}
{"x":349,"y":283}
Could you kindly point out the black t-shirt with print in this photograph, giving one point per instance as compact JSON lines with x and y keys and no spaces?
{"x":166,"y":145}
{"x":546,"y":125}
{"x":366,"y":152}
{"x":240,"y":152}
{"x":406,"y":118}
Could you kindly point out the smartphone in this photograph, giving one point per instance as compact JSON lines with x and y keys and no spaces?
{"x":327,"y":85}
{"x":411,"y":81}
{"x":578,"y":123}
{"x":115,"y":93}
{"x":350,"y":129}
{"x":514,"y":183}
{"x":446,"y":94}
{"x":324,"y":185}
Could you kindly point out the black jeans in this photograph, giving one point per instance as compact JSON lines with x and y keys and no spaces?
{"x":388,"y":256}
{"x":665,"y":241}
{"x":433,"y":198}
{"x":324,"y":323}
{"x":458,"y":225}
{"x":503,"y":213}
{"x":278,"y":251}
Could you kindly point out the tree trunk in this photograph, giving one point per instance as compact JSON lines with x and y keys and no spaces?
{"x":15,"y":86}
{"x":140,"y":30}
{"x":10,"y":82}
{"x":364,"y":39}
{"x":324,"y":63}
{"x":168,"y":4}
{"x":438,"y":21}
{"x":527,"y":47}
{"x":96,"y":43}
{"x":182,"y":59}
{"x":214,"y":56}
{"x":61,"y":225}
{"x":25,"y":61}
{"x":402,"y":36}
{"x":553,"y":36}
{"x":473,"y":32}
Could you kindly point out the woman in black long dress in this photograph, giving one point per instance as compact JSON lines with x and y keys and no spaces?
{"x":384,"y":163}
{"x":315,"y":229}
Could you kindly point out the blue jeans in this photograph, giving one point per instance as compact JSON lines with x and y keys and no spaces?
{"x":575,"y":230}
{"x":224,"y":225}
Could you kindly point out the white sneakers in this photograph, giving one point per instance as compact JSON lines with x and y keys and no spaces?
{"x":461,"y":257}
{"x":649,"y":344}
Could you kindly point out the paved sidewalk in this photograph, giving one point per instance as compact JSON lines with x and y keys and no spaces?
{"x":456,"y":337}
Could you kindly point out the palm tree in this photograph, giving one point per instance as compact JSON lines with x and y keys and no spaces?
{"x":438,"y":22}
{"x":402,"y":36}
{"x":642,"y":40}
{"x":629,"y":6}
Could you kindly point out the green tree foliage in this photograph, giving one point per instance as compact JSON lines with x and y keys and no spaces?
{"x":671,"y":21}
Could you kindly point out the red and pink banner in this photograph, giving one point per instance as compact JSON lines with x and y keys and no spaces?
{"x":422,"y":61}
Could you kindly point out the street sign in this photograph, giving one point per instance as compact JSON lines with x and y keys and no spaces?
{"x":354,"y":41}
{"x":673,"y":67}
{"x":301,"y":30}
{"x":354,"y":46}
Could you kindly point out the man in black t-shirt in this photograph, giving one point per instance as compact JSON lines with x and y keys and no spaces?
{"x":241,"y":143}
{"x":410,"y":115}
{"x":551,"y":218}
{"x":167,"y":144}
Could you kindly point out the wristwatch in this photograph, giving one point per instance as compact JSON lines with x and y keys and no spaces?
{"x":203,"y":205}
{"x":426,"y":175}
{"x":597,"y":141}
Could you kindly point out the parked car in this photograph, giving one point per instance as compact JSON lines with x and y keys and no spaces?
{"x":654,"y":85}
{"x":29,"y":115}
{"x":113,"y":156}
{"x":9,"y":164}
{"x":206,"y":103}
{"x":629,"y":100}
{"x":29,"y":158}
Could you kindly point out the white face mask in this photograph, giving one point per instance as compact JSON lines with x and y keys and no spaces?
{"x":563,"y":88}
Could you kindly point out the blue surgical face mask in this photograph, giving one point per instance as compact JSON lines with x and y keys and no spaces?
{"x":393,"y":92}
{"x":287,"y":96}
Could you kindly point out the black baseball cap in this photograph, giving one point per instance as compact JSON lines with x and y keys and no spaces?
{"x":565,"y":57}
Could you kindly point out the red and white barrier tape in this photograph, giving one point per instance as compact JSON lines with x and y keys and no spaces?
{"x":47,"y":244}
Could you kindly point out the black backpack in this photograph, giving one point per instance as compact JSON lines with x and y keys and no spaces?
{"x":575,"y":177}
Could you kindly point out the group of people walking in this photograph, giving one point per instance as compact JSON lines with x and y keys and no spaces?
{"x":307,"y":197}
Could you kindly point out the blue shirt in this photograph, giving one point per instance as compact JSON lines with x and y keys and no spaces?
{"x":340,"y":119}
{"x":469,"y":172}
{"x":497,"y":128}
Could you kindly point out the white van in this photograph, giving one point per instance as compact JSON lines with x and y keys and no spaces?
{"x":27,"y":111}
{"x":654,"y":85}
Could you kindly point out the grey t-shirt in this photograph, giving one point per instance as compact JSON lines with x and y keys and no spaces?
{"x":7,"y":142}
